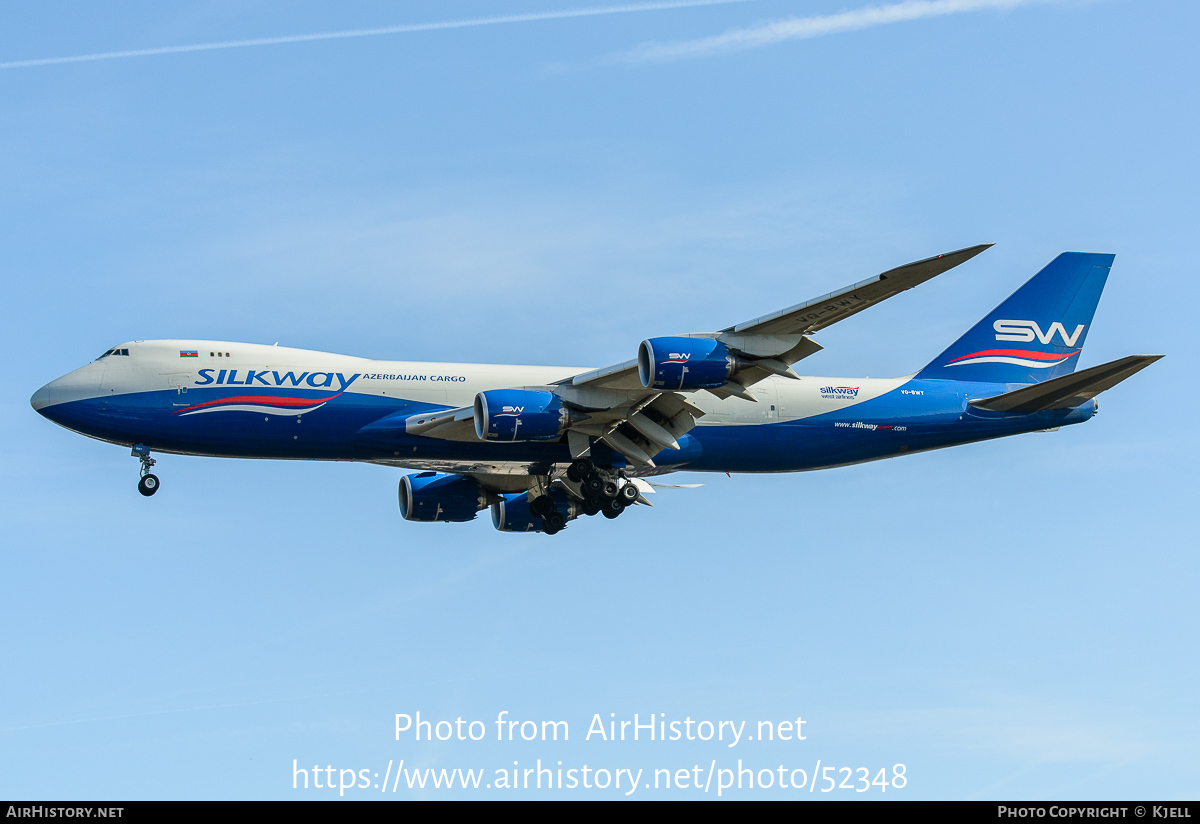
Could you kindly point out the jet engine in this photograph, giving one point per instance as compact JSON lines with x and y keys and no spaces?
{"x":431,"y":496}
{"x":685,"y":363}
{"x":520,"y":415}
{"x":511,"y":513}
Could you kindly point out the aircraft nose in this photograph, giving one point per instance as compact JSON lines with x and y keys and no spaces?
{"x":81,"y":384}
{"x":41,"y":398}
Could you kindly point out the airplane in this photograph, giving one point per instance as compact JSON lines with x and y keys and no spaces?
{"x":544,"y":445}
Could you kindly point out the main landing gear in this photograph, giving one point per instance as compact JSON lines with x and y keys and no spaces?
{"x":148,"y":484}
{"x":552,"y":520}
{"x":603,"y":491}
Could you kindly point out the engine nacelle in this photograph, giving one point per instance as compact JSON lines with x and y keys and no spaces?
{"x":511,"y":513}
{"x":519,"y":415}
{"x":431,"y":496}
{"x":684,"y":363}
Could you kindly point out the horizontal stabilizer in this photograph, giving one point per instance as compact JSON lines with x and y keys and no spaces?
{"x":1067,"y":391}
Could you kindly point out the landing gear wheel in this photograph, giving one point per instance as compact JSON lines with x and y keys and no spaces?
{"x":579,"y":470}
{"x":541,"y":506}
{"x":554,"y":522}
{"x":612,"y":508}
{"x":148,"y":485}
{"x":592,"y":506}
{"x":593,"y":486}
{"x":628,"y":494}
{"x":610,"y":489}
{"x":550,"y":530}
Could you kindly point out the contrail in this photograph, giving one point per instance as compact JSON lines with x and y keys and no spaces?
{"x":802,"y":28}
{"x":529,"y":17}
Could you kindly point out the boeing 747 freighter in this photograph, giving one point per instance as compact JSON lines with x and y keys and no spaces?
{"x":543,"y":445}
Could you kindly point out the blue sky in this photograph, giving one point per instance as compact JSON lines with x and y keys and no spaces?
{"x":1013,"y":619}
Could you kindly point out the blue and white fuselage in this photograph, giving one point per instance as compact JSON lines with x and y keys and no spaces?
{"x":277,"y":402}
{"x":533,"y":441}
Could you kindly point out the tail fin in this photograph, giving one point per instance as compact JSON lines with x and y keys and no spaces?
{"x":1036,"y":334}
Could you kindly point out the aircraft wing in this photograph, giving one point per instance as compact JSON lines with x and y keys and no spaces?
{"x":816,"y":314}
{"x":639,"y":419}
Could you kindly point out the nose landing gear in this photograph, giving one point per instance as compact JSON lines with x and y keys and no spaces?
{"x":148,"y":484}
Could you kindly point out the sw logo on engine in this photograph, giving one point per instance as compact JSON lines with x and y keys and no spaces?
{"x":1027,"y":330}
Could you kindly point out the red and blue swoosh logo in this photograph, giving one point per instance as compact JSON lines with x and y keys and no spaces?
{"x":1016,"y":357}
{"x":261,"y":404}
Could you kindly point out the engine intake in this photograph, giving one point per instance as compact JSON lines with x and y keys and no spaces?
{"x":519,"y":415}
{"x":431,"y":496}
{"x":685,"y":363}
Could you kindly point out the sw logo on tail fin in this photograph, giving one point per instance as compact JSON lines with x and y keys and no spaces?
{"x":1027,"y":330}
{"x":1063,"y":297}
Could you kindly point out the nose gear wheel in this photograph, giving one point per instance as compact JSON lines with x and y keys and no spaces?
{"x":148,"y":483}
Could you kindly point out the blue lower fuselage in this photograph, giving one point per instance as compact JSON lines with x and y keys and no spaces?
{"x":915,"y":416}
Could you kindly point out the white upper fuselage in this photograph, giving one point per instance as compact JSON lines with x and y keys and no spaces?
{"x":153,"y":366}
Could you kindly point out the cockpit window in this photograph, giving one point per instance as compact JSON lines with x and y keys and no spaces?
{"x":114,"y":352}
